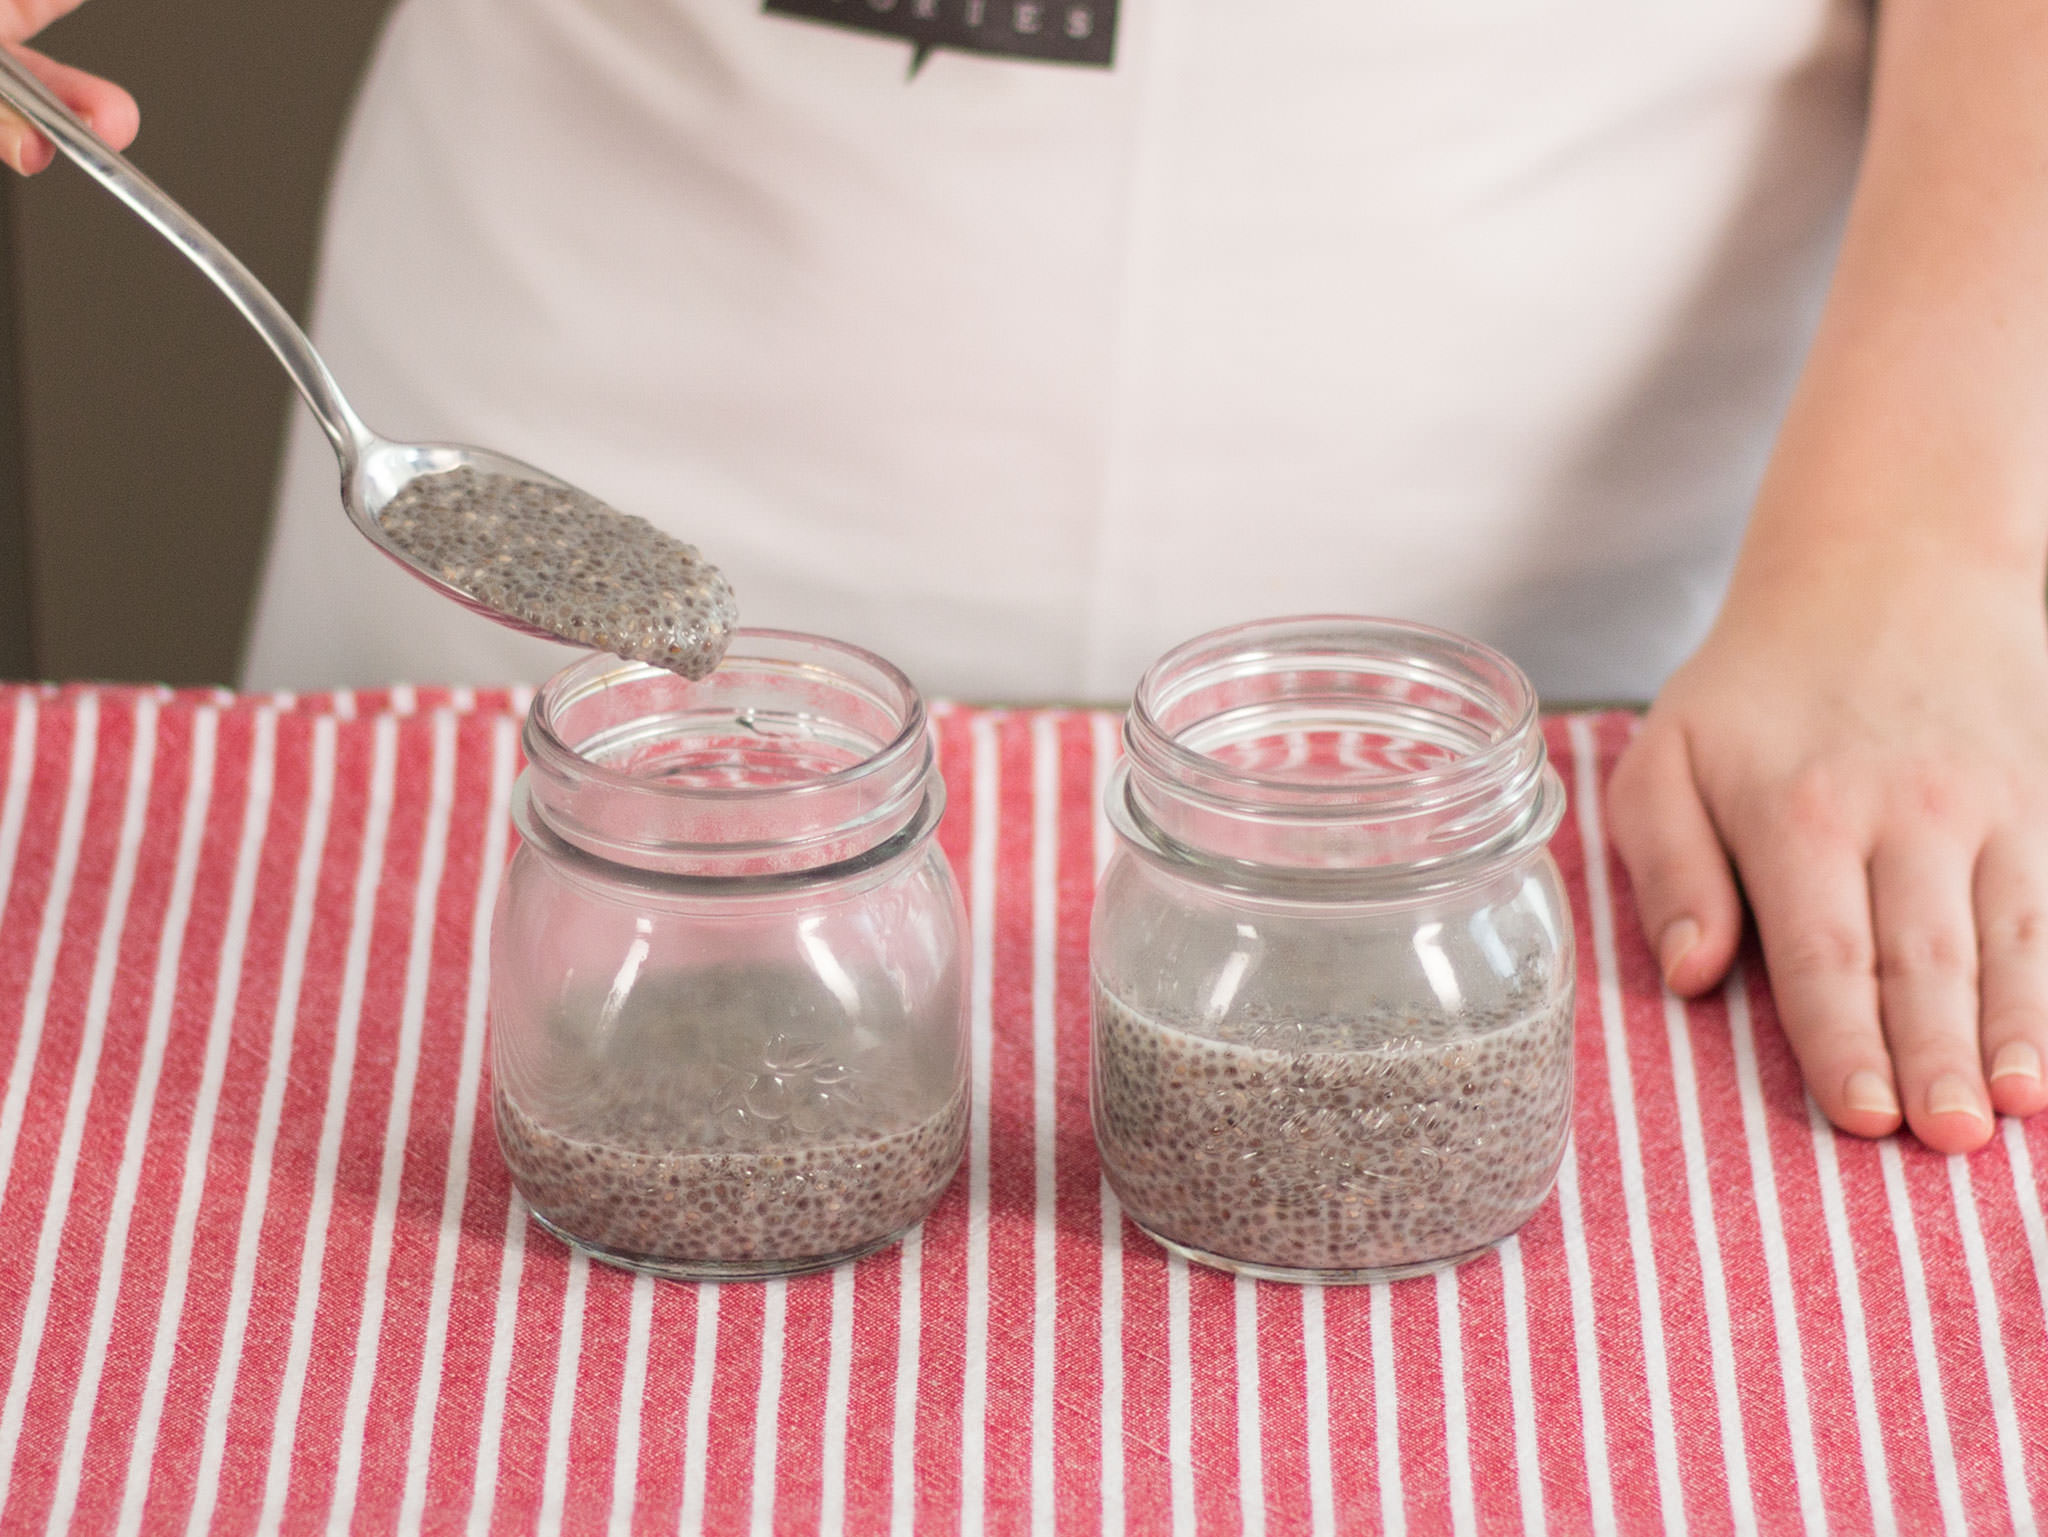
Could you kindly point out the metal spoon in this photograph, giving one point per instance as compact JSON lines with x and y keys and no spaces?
{"x":375,"y":470}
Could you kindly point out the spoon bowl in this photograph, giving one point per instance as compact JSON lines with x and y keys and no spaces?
{"x":384,"y":468}
{"x":671,"y":607}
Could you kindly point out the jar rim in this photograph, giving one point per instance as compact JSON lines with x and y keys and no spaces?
{"x":797,"y":753}
{"x":1335,"y":748}
{"x":1146,"y":737}
{"x":546,"y":743}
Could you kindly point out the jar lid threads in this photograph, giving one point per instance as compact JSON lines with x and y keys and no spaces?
{"x":1338,"y":751}
{"x":798,"y":755}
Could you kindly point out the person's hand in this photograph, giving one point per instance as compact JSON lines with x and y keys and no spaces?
{"x":106,"y":109}
{"x":1870,"y":749}
{"x":1864,"y":734}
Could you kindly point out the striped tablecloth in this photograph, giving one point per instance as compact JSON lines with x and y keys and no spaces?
{"x":260,"y":1267}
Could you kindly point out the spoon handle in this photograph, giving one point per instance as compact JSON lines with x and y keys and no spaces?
{"x":28,"y":96}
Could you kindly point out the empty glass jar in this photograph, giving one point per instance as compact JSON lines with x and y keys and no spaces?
{"x":1332,"y":959}
{"x":728,"y":1006}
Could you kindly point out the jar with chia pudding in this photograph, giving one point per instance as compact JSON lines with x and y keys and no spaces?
{"x":728,"y":1000}
{"x":1332,"y":957}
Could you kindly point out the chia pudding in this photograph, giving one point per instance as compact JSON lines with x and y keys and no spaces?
{"x":564,"y":562}
{"x":1389,"y":1141}
{"x":721,"y":1123}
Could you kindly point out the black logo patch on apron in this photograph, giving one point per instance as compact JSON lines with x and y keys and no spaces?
{"x":1048,"y":31}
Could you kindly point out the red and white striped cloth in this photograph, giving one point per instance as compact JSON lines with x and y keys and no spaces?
{"x":260,"y":1267}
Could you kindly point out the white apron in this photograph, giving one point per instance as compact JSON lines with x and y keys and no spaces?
{"x":1479,"y":312}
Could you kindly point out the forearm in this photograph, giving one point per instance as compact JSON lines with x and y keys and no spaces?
{"x":1918,"y":438}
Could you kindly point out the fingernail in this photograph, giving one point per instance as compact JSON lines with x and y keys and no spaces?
{"x":2016,"y":1059}
{"x":1950,"y":1095}
{"x":1675,"y":944}
{"x":1869,"y":1092}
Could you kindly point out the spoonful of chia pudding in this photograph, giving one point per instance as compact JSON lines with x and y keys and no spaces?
{"x":502,"y":538}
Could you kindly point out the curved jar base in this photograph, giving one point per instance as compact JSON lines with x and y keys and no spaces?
{"x":1362,"y":1276}
{"x":672,"y":1269}
{"x":712,"y":1215}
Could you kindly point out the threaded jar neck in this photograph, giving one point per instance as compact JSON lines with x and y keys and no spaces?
{"x":797,"y":755}
{"x":1334,"y":747}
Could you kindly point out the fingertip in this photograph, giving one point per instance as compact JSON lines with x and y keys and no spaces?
{"x":1952,"y":1116}
{"x":1869,"y":1127}
{"x":107,"y":109}
{"x":1675,"y":946}
{"x":1685,"y":890}
{"x":1694,"y":957}
{"x":115,"y":117}
{"x":1953,"y":1133}
{"x":24,"y":150}
{"x":2015,"y":1080}
{"x":1864,"y":1104}
{"x":2020,"y":1101}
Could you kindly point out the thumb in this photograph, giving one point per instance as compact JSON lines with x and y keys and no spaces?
{"x":1685,"y":891}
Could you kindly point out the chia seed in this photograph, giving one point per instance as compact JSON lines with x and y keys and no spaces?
{"x":564,"y":562}
{"x":733,"y":1119}
{"x":1363,"y":1147}
{"x":845,"y":1190}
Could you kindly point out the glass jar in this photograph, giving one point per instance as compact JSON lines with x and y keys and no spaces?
{"x":728,"y":997}
{"x":1332,"y":957}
